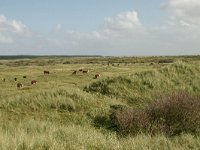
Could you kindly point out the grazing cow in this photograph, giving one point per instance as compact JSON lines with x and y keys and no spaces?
{"x":24,"y":77}
{"x":33,"y":82}
{"x":85,"y":71}
{"x":15,"y":79}
{"x":3,"y":79}
{"x":97,"y":76}
{"x":80,"y":70}
{"x":46,"y":72}
{"x":19,"y":85}
{"x":75,"y":72}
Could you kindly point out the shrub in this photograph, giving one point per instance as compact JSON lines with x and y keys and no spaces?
{"x":127,"y":121}
{"x":100,"y":86}
{"x":165,"y":61}
{"x":171,"y":115}
{"x":105,"y":120}
{"x":101,"y":121}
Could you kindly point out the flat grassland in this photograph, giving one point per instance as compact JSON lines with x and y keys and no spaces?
{"x":72,"y":111}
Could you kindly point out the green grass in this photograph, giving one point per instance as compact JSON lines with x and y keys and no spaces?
{"x":61,"y":111}
{"x":32,"y":134}
{"x":43,"y":135}
{"x":139,"y":88}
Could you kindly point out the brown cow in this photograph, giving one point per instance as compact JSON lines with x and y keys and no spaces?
{"x":97,"y":76}
{"x":24,"y":77}
{"x":75,"y":72}
{"x":85,"y":71}
{"x":46,"y":72}
{"x":33,"y":82}
{"x":15,"y":79}
{"x":19,"y":85}
{"x":80,"y":70}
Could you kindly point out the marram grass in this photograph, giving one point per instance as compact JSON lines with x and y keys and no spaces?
{"x":59,"y":112}
{"x":31,"y":134}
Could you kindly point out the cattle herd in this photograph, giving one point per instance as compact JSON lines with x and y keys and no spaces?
{"x":85,"y":72}
{"x":19,"y":84}
{"x":33,"y":82}
{"x":80,"y":70}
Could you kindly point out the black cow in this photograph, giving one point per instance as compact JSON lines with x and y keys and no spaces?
{"x":46,"y":72}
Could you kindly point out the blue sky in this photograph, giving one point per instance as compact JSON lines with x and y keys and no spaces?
{"x":85,"y":16}
{"x":106,"y":27}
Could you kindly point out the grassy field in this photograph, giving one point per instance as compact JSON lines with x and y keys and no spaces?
{"x":72,"y":111}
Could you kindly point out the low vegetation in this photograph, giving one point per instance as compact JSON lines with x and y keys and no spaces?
{"x":170,"y":115}
{"x":136,"y":103}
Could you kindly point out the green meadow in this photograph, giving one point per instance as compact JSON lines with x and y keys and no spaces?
{"x":137,"y":103}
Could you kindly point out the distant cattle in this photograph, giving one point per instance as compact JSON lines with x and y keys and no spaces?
{"x":46,"y":72}
{"x":19,"y":85}
{"x":33,"y":82}
{"x":24,"y":77}
{"x":80,"y":70}
{"x":85,"y":71}
{"x":3,"y":79}
{"x":74,"y":72}
{"x":15,"y":79}
{"x":97,"y":76}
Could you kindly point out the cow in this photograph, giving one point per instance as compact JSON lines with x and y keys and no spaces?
{"x":85,"y":71}
{"x":74,"y":72}
{"x":46,"y":72}
{"x":19,"y":85}
{"x":24,"y":77}
{"x":33,"y":82}
{"x":15,"y":79}
{"x":97,"y":76}
{"x":3,"y":79}
{"x":80,"y":70}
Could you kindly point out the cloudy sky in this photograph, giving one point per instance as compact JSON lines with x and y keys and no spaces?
{"x":100,"y":27}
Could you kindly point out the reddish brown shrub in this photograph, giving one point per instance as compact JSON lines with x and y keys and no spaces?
{"x":171,"y":115}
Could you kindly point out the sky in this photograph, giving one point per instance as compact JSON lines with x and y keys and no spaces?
{"x":100,"y":27}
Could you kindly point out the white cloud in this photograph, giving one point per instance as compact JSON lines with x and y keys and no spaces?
{"x":3,"y":18}
{"x":6,"y":40}
{"x":18,"y":27}
{"x":12,"y":30}
{"x":13,"y":26}
{"x":122,"y":34}
{"x":122,"y":22}
{"x":57,"y":28}
{"x":184,"y":12}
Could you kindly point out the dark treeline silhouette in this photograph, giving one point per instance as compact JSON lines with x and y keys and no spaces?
{"x":42,"y":56}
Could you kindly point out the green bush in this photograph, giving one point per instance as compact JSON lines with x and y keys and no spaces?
{"x":165,"y":61}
